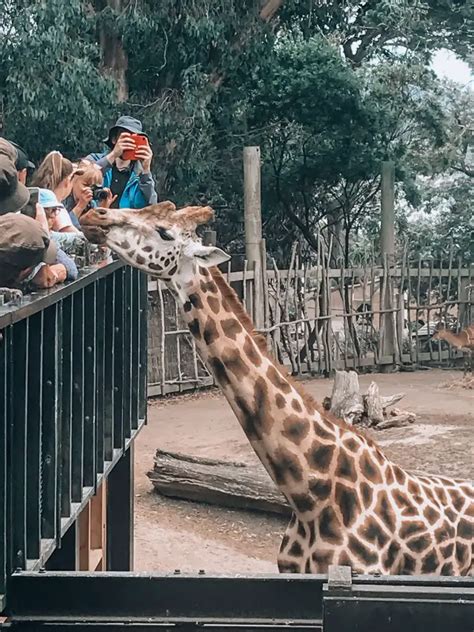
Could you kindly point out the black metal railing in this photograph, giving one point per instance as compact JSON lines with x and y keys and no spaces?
{"x":72,"y":397}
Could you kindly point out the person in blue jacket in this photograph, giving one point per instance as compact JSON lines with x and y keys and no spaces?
{"x":130,"y":181}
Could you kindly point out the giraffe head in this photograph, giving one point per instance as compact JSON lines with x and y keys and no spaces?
{"x":158,"y":239}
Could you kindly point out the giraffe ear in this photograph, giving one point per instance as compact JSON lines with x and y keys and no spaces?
{"x":207,"y":256}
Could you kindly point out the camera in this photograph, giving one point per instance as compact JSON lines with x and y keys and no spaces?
{"x":99,"y":193}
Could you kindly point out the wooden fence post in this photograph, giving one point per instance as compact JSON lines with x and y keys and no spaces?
{"x":253,"y":227}
{"x":388,"y":344}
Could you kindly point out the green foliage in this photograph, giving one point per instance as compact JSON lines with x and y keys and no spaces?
{"x":444,"y":220}
{"x":56,"y":96}
{"x":328,"y":90}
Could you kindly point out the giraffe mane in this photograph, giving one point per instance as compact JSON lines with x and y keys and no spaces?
{"x":229,"y":294}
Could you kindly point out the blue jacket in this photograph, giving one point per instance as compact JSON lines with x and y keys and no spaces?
{"x":140,"y":188}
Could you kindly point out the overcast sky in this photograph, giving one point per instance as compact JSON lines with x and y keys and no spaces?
{"x":446,"y":64}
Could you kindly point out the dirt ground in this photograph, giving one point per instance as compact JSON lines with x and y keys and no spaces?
{"x":172,"y":534}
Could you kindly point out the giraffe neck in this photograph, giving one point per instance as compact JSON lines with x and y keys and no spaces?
{"x":297,"y":445}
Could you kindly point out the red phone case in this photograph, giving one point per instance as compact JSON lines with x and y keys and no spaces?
{"x":129,"y":154}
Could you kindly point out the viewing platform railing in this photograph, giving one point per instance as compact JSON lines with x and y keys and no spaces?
{"x":72,"y":398}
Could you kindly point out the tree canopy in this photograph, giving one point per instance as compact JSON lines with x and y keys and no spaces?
{"x":327,"y":90}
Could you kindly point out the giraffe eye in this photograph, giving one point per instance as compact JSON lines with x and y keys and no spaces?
{"x":164,"y":234}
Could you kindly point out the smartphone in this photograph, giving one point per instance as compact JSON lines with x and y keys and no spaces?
{"x":30,"y":207}
{"x":139,"y":141}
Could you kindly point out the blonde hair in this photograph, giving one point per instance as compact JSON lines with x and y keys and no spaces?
{"x":52,"y":171}
{"x":89,"y":172}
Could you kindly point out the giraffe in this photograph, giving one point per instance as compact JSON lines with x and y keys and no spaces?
{"x":351,"y":505}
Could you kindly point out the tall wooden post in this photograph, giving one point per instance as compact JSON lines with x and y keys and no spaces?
{"x":387,"y":251}
{"x":253,"y":227}
{"x":387,"y":232}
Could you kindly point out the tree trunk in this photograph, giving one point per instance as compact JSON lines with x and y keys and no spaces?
{"x":225,"y":483}
{"x":346,"y":401}
{"x":269,"y":9}
{"x":114,"y":56}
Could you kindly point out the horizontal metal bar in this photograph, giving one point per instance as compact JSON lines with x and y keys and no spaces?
{"x":143,"y":597}
{"x":38,"y":301}
{"x":187,"y":625}
{"x":392,"y":613}
{"x":265,"y":599}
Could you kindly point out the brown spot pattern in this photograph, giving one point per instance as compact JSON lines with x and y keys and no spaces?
{"x":195,"y":300}
{"x":372,"y":531}
{"x":369,"y":469}
{"x":214,"y":304}
{"x":296,"y":405}
{"x":251,"y":352}
{"x":208,"y":286}
{"x":351,"y":444}
{"x":231,"y":328}
{"x":367,"y":494}
{"x":329,"y":526}
{"x":278,"y":381}
{"x":364,"y":554}
{"x":210,"y":333}
{"x":219,"y":371}
{"x":348,"y":503}
{"x":345,"y":467}
{"x":430,"y":563}
{"x":280,"y":400}
{"x":385,"y":511}
{"x":303,"y":502}
{"x":295,"y":549}
{"x":285,"y":466}
{"x":320,"y":488}
{"x":233,"y":362}
{"x":411,"y":528}
{"x":194,"y":328}
{"x":319,"y":456}
{"x":295,"y":429}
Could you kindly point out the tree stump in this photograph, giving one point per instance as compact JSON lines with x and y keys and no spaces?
{"x":347,"y":403}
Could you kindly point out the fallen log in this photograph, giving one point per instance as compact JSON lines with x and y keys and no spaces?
{"x":225,"y":483}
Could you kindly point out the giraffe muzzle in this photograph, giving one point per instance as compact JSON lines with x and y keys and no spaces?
{"x":95,"y":225}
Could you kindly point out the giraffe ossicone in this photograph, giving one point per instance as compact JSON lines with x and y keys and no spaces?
{"x":351,"y":504}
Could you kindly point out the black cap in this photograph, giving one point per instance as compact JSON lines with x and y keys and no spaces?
{"x":127,"y":123}
{"x":22,"y":160}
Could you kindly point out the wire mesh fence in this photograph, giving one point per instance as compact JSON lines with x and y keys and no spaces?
{"x":320,"y":318}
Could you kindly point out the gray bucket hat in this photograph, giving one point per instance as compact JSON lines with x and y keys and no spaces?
{"x":128,"y":123}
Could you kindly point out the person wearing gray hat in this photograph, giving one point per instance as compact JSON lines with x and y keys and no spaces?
{"x":127,"y":164}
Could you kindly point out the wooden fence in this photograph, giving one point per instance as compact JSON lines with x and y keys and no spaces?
{"x":317,"y":319}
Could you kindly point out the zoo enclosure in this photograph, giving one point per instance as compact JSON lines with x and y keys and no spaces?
{"x":319,"y":318}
